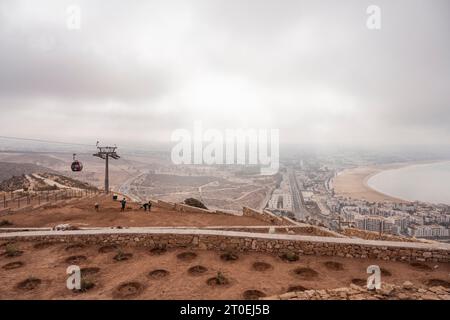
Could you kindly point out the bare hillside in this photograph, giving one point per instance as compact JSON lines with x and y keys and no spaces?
{"x":34,"y":158}
{"x":9,"y":169}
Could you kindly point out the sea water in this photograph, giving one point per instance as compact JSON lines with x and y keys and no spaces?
{"x":422,"y":182}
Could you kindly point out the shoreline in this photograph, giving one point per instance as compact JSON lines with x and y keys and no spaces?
{"x":353,"y":182}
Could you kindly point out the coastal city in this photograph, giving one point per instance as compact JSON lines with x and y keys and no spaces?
{"x":320,"y":195}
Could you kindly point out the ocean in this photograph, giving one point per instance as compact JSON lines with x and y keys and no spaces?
{"x":422,"y":182}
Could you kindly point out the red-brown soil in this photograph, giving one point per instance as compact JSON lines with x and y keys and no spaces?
{"x":158,"y":274}
{"x":83,"y":214}
{"x":333,"y":265}
{"x":187,"y":256}
{"x":75,"y":259}
{"x":438,"y":282}
{"x":261,"y":266}
{"x":179,"y":284}
{"x":229,"y":256}
{"x":197,"y":270}
{"x":89,"y":271}
{"x":13,"y":265}
{"x":253,"y":294}
{"x":296,"y":288}
{"x":306,"y":273}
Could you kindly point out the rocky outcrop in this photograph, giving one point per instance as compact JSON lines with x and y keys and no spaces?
{"x":407,"y":291}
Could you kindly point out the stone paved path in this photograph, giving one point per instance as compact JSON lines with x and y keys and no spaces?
{"x":197,"y":231}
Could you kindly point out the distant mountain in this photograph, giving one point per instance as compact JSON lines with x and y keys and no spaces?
{"x":34,"y":158}
{"x":10,"y":169}
{"x":39,"y":181}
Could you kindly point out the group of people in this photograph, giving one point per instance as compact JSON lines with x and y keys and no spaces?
{"x":123,"y":204}
{"x":146,"y":205}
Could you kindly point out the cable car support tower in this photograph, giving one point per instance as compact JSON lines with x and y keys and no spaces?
{"x":105,"y":153}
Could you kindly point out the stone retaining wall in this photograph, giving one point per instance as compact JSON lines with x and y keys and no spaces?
{"x":181,"y":207}
{"x":370,"y":235}
{"x":265,"y":216}
{"x":220,"y":240}
{"x":186,"y":208}
{"x":165,"y":205}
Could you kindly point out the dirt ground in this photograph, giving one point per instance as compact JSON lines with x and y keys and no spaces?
{"x":83,"y":214}
{"x":45,"y":268}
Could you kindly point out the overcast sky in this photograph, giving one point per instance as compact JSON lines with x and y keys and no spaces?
{"x":137,"y":70}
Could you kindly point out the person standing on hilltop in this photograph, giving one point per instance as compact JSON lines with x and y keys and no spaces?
{"x":149,"y":206}
{"x":123,"y":203}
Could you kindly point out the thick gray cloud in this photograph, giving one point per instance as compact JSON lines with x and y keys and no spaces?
{"x":137,"y":71}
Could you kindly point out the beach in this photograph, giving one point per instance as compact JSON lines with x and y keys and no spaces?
{"x":352,"y":183}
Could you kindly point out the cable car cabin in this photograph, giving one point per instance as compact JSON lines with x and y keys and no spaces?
{"x":76,"y":166}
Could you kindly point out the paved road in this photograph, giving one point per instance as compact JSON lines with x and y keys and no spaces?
{"x":298,"y":203}
{"x":125,"y":188}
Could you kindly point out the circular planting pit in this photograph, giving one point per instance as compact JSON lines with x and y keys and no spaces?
{"x":13,"y":265}
{"x":438,"y":283}
{"x":75,"y":247}
{"x":229,"y":256}
{"x":385,"y":272}
{"x":29,"y":284}
{"x":5,"y":244}
{"x":187,"y":256}
{"x":86,"y":285}
{"x":128,"y":290}
{"x":197,"y":270}
{"x":421,"y":266}
{"x":42,"y":245}
{"x":289,"y":257}
{"x":89,"y":271}
{"x":306,"y":273}
{"x":75,"y":259}
{"x":253,"y":294}
{"x":108,"y":248}
{"x":359,"y":282}
{"x":333,"y":265}
{"x":296,"y":288}
{"x":158,"y":274}
{"x":217,"y":281}
{"x":158,"y":251}
{"x":12,"y":253}
{"x":261,"y":266}
{"x":123,"y":256}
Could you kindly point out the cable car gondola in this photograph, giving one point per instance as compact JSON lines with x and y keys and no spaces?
{"x":76,"y":165}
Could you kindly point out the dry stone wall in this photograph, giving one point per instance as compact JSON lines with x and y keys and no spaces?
{"x":240,"y":241}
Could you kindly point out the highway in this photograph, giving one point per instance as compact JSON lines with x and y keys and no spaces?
{"x":299,"y":207}
{"x":298,"y":204}
{"x":125,"y":188}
